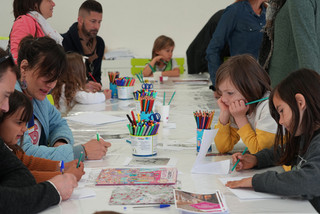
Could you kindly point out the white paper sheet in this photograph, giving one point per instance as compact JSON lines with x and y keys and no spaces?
{"x":82,"y":192}
{"x":201,"y":166}
{"x":95,"y":118}
{"x":247,"y":193}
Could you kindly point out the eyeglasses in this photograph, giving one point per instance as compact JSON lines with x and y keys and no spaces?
{"x":9,"y":56}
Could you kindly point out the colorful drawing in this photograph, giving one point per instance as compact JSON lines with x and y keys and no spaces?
{"x":142,"y":194}
{"x":134,"y":176}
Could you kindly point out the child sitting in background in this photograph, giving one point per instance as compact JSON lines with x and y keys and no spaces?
{"x":294,"y":105}
{"x":13,"y":124}
{"x":162,"y":59}
{"x":239,"y":80}
{"x":70,"y":88}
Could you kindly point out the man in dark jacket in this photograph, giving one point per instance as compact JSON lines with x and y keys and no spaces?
{"x":82,"y":38}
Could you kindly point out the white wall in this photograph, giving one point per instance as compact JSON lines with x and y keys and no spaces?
{"x":134,"y":24}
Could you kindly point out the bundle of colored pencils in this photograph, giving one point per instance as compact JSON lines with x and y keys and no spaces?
{"x":142,"y":128}
{"x":203,"y":119}
{"x":140,"y":77}
{"x":125,"y":81}
{"x":146,"y":104}
{"x":113,"y":76}
{"x":143,"y":93}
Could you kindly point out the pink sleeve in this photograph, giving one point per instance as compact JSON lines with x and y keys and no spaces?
{"x":21,"y":28}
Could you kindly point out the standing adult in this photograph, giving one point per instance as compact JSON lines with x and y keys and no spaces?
{"x":292,"y":38}
{"x":239,"y":27}
{"x":31,"y":19}
{"x":19,"y":192}
{"x":41,"y":61}
{"x":82,"y":38}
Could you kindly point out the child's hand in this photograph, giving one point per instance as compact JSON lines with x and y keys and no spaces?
{"x":107,"y":93}
{"x":238,"y":110}
{"x":93,"y":87}
{"x":224,"y":112}
{"x":247,"y":161}
{"x":246,"y":182}
{"x":157,"y":58}
{"x":71,"y":164}
{"x":78,"y":172}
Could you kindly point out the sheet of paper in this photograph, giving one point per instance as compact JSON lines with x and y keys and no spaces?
{"x":82,"y":192}
{"x":247,"y":193}
{"x":201,"y":166}
{"x":212,"y":168}
{"x":95,"y":118}
{"x":158,"y":161}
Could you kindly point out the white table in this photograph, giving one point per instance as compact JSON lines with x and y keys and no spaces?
{"x":188,"y":99}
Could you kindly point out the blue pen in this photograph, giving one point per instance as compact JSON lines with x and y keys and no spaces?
{"x":62,"y":167}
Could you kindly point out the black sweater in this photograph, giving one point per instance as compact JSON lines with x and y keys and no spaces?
{"x":19,"y":192}
{"x":71,"y":42}
{"x":302,"y":181}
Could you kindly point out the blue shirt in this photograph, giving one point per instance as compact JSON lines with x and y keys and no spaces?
{"x":240,"y":27}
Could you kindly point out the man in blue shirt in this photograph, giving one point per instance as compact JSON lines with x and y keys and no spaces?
{"x":241,"y":28}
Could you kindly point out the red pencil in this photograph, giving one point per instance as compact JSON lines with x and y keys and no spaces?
{"x":134,"y":119}
{"x":92,"y":77}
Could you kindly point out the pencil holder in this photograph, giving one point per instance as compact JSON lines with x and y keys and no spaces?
{"x":114,"y":91}
{"x":145,"y":116}
{"x":125,"y":92}
{"x":201,"y":138}
{"x":144,"y":146}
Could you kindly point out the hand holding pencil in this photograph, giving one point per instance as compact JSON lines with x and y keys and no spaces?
{"x":246,"y":161}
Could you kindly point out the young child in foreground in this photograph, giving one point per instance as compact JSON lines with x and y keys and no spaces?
{"x":13,"y":124}
{"x":294,"y":105}
{"x":162,"y":59}
{"x":240,"y":80}
{"x":70,"y":88}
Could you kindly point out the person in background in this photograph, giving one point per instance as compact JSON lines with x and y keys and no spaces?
{"x":31,"y":19}
{"x":240,"y":80}
{"x":294,"y":105}
{"x":82,"y":38}
{"x":162,"y":58}
{"x":292,"y":38}
{"x":70,"y":88}
{"x":240,"y":27}
{"x":13,"y":124}
{"x":19,"y":192}
{"x":41,"y":62}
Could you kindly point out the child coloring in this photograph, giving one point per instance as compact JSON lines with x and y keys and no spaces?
{"x":71,"y":86}
{"x":162,"y":58}
{"x":241,"y":80}
{"x":12,"y":128}
{"x":294,"y":104}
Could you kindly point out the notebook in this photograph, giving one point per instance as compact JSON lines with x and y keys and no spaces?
{"x":142,"y":194}
{"x":137,"y":176}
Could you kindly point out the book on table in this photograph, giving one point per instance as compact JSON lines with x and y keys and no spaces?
{"x":137,"y":176}
{"x":189,"y":202}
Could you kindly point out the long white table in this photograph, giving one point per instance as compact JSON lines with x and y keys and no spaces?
{"x":188,"y":98}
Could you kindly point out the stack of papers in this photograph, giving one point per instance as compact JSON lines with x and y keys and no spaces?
{"x":95,"y":118}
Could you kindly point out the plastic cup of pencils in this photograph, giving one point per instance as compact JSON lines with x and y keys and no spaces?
{"x":144,"y":146}
{"x":114,"y":91}
{"x":125,"y":92}
{"x":165,"y":110}
{"x":200,"y":138}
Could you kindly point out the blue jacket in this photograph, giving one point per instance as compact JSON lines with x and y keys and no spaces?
{"x":240,"y":27}
{"x":54,"y":127}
